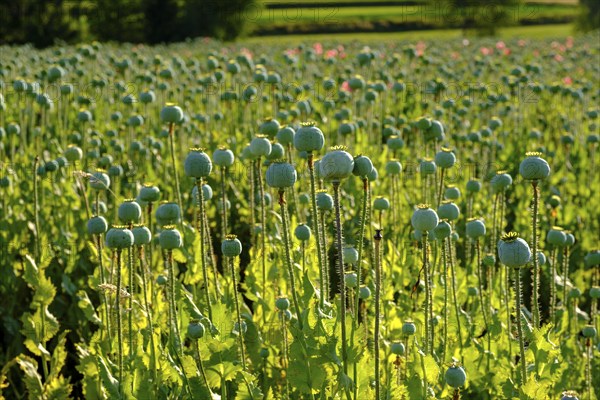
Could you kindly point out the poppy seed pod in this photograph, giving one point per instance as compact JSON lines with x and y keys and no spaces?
{"x":302,"y":232}
{"x":197,"y":164}
{"x":556,"y":236}
{"x":282,"y":303}
{"x":223,"y":157}
{"x":196,"y":330}
{"x":589,"y":331}
{"x":393,"y":167}
{"x":350,"y":255}
{"x":513,"y":251}
{"x":351,"y":279}
{"x":473,"y":186}
{"x":445,"y":158}
{"x":592,"y":258}
{"x":570,"y":239}
{"x":277,"y":152}
{"x":364,"y":292}
{"x":119,"y":238}
{"x":167,"y":213}
{"x":373,"y":175}
{"x":397,"y":348}
{"x":442,"y":230}
{"x":281,"y":175}
{"x":501,"y":181}
{"x":231,"y":246}
{"x":427,"y":167}
{"x":362,"y":166}
{"x":141,"y":235}
{"x":285,"y":136}
{"x":170,"y":238}
{"x":99,"y":180}
{"x":130,"y":211}
{"x":448,"y":210}
{"x":424,"y":218}
{"x":269,"y":127}
{"x":324,"y":201}
{"x":533,"y":167}
{"x":409,"y":328}
{"x":336,"y":165}
{"x":171,"y":114}
{"x":260,"y":146}
{"x":73,"y":153}
{"x":475,"y":228}
{"x":452,"y":192}
{"x":97,"y":225}
{"x":455,"y":376}
{"x":569,"y":395}
{"x":309,"y":138}
{"x":149,"y":193}
{"x":381,"y":204}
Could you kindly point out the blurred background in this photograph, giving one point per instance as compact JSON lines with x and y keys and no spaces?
{"x":44,"y":23}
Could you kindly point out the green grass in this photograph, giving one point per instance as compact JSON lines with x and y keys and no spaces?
{"x":537,"y":32}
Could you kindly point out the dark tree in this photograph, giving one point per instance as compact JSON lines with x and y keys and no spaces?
{"x":589,"y":19}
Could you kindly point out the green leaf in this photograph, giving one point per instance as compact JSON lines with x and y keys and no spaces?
{"x":85,"y":304}
{"x":247,"y":388}
{"x":109,"y":382}
{"x":59,"y":356}
{"x":33,"y":380}
{"x":57,"y":389}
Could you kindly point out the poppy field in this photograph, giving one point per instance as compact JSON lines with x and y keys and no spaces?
{"x":326,"y":220}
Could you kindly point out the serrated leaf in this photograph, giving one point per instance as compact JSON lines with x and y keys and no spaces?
{"x":247,"y":387}
{"x":57,"y":389}
{"x":85,"y":304}
{"x":109,"y":382}
{"x":33,"y":380}
{"x":59,"y":356}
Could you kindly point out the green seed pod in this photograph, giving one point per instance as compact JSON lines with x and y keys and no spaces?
{"x":269,"y":127}
{"x":277,"y":152}
{"x":570,"y":239}
{"x":455,"y":376}
{"x":350,"y":255}
{"x":397,"y":348}
{"x":541,"y":258}
{"x":452,"y":193}
{"x":393,"y":167}
{"x":475,"y":228}
{"x":170,"y":238}
{"x":149,"y":193}
{"x":167,"y":213}
{"x":395,"y":143}
{"x":73,"y":153}
{"x":574,"y":293}
{"x":223,"y":157}
{"x":362,"y":166}
{"x":472,"y":291}
{"x":51,"y":166}
{"x":304,"y":199}
{"x":161,"y":280}
{"x":264,"y":352}
{"x":501,"y":181}
{"x":336,"y":164}
{"x":197,"y":164}
{"x":309,"y":138}
{"x":364,"y":292}
{"x":324,"y":201}
{"x":285,"y":136}
{"x":351,"y":279}
{"x":260,"y":146}
{"x":489,"y":260}
{"x":424,"y":218}
{"x":445,"y":158}
{"x":195,"y":330}
{"x":409,"y":328}
{"x":589,"y":331}
{"x":282,"y":303}
{"x":595,"y":292}
{"x":513,"y":251}
{"x":592,"y":258}
{"x":119,"y":238}
{"x":373,"y":175}
{"x":171,"y":114}
{"x":448,"y":210}
{"x":381,"y":204}
{"x":473,"y":186}
{"x":231,"y":246}
{"x":442,"y":230}
{"x":427,"y":167}
{"x":423,"y":123}
{"x":556,"y":236}
{"x":141,"y":235}
{"x":281,"y":175}
{"x":569,"y":395}
{"x":99,"y":180}
{"x":97,"y":225}
{"x":533,"y":167}
{"x":130,"y":211}
{"x":302,"y":232}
